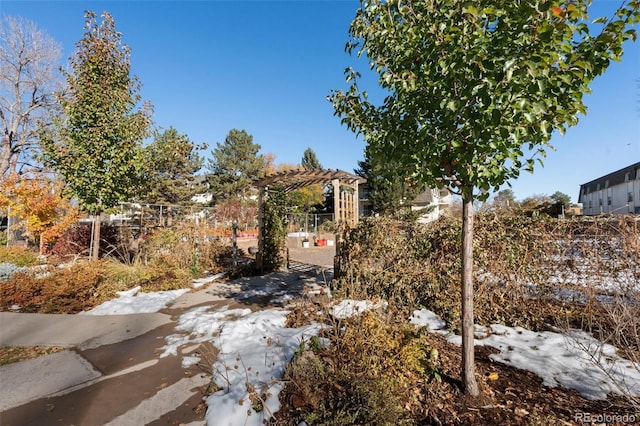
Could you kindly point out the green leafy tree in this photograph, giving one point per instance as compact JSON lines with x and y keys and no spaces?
{"x":234,"y":165}
{"x":97,"y":147}
{"x":310,"y":160}
{"x":171,"y":160}
{"x":471,"y":87}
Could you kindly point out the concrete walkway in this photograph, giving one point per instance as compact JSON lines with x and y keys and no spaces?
{"x":112,"y":373}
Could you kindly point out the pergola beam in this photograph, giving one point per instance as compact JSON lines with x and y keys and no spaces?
{"x":299,"y":178}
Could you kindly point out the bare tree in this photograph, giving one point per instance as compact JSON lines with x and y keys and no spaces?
{"x":28,"y":78}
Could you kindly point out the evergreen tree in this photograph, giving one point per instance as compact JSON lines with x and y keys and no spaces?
{"x":505,"y":198}
{"x":310,"y":161}
{"x":561,"y":199}
{"x":171,"y":161}
{"x":389,"y":192}
{"x":234,"y":165}
{"x":98,"y":146}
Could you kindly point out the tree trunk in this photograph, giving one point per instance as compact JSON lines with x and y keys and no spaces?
{"x":96,"y":237}
{"x":468,"y":359}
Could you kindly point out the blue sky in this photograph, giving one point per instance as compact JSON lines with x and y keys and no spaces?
{"x":268,"y":66}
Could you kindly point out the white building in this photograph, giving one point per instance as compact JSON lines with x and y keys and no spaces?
{"x":433,"y":201}
{"x":615,"y":193}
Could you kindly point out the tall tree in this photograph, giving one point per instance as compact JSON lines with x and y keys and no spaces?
{"x":471,"y":87}
{"x":234,"y":165}
{"x":310,"y":160}
{"x":389,"y":190}
{"x":171,"y":162}
{"x":98,"y":146}
{"x":29,"y":59}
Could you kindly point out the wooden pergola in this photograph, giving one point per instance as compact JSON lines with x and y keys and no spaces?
{"x":345,"y":190}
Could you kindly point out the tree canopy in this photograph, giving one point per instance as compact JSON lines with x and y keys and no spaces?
{"x":37,"y":201}
{"x":234,"y":165}
{"x":97,"y":145}
{"x":310,"y":160}
{"x":471,"y":87}
{"x":171,"y":162}
{"x":389,"y":191}
{"x":28,"y":79}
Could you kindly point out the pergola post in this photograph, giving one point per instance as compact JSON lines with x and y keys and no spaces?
{"x":356,"y":209}
{"x":262,"y":192}
{"x":336,"y":200}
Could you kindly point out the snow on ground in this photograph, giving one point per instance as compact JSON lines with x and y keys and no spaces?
{"x":576,"y":361}
{"x":254,"y":351}
{"x":349,"y":308}
{"x":255,"y":347}
{"x":134,"y":302}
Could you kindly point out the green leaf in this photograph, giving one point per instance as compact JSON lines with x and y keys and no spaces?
{"x":471,"y":10}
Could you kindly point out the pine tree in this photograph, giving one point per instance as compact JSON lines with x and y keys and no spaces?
{"x":310,"y":160}
{"x":389,"y":191}
{"x":171,"y":160}
{"x":234,"y":166}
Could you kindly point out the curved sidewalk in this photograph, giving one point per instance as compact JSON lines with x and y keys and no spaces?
{"x":112,"y":373}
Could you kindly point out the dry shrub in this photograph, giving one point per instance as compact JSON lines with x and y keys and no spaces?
{"x":151,"y":277}
{"x":84,"y":285}
{"x":19,"y":256}
{"x":77,"y":239}
{"x":363,"y":375}
{"x":415,"y":265}
{"x":528,"y":270}
{"x":68,"y":290}
{"x":184,"y":248}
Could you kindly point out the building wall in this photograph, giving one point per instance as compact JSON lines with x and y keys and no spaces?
{"x":616,"y":193}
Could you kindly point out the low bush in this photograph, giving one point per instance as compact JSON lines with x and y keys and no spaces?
{"x":184,"y":249}
{"x":84,"y":285}
{"x":68,"y":290}
{"x":18,"y":256}
{"x":77,"y":240}
{"x":363,"y":375}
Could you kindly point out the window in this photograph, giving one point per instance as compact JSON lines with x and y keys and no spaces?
{"x":630,"y":197}
{"x":608,"y":201}
{"x":600,"y":202}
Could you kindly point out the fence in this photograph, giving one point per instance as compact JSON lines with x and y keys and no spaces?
{"x":307,"y":222}
{"x":157,"y":215}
